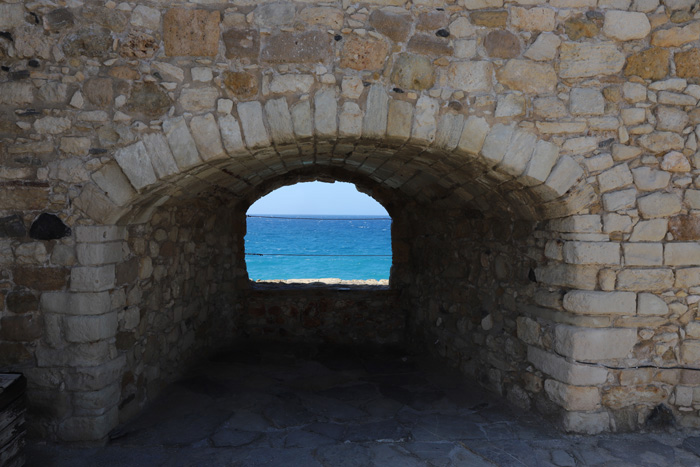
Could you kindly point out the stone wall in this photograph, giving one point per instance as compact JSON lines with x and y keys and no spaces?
{"x":540,"y":157}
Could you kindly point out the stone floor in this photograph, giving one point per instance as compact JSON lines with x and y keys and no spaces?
{"x":321,"y":406}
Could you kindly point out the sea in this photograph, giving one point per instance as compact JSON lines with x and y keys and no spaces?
{"x":281,"y":247}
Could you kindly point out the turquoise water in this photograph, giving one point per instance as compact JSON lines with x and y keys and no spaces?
{"x":318,"y":235}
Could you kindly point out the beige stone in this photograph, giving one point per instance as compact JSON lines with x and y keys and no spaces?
{"x":565,"y":370}
{"x":572,"y":397}
{"x":659,"y":205}
{"x":619,"y":397}
{"x":587,"y":344}
{"x":470,"y":76}
{"x":528,"y":76}
{"x":592,"y":253}
{"x":676,"y":36}
{"x":189,"y":32}
{"x":626,"y":25}
{"x":650,"y":304}
{"x":645,"y":280}
{"x":643,"y":254}
{"x":607,"y":303}
{"x":581,"y":60}
{"x":532,"y":19}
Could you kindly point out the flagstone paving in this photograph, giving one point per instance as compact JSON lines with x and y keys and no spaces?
{"x":306,"y":405}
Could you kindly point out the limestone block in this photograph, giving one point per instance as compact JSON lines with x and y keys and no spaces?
{"x":291,"y":84}
{"x":676,"y":36}
{"x":653,"y":230}
{"x":544,"y":48}
{"x":424,"y":124}
{"x":15,"y":93}
{"x":626,"y":25}
{"x":395,"y":23}
{"x":273,"y":15}
{"x":529,"y":331}
{"x":588,"y":423}
{"x":659,"y":205}
{"x":690,"y":352}
{"x":146,"y":17}
{"x":191,"y":32}
{"x":168,"y":71}
{"x":518,"y":154}
{"x":325,"y":113}
{"x":625,"y":396}
{"x":470,"y":76}
{"x":182,"y":145}
{"x":682,"y":254}
{"x":633,"y":116}
{"x":88,"y":428}
{"x":564,"y":370}
{"x":649,"y":304}
{"x":675,"y":161}
{"x":473,"y":135}
{"x":510,"y":105}
{"x":399,"y":120}
{"x":620,"y":200}
{"x":587,"y":223}
{"x":480,"y":4}
{"x":413,"y":71}
{"x":251,"y":116}
{"x":497,"y":143}
{"x":608,"y":303}
{"x":648,"y":179}
{"x":11,"y":15}
{"x":95,"y":377}
{"x":645,"y":280}
{"x":205,"y":132}
{"x":136,"y":164}
{"x":114,"y":183}
{"x":670,"y":119}
{"x":622,"y":152}
{"x":92,"y":278}
{"x":561,"y":127}
{"x":198,"y":99}
{"x":297,"y":47}
{"x":376,"y":113}
{"x":95,"y":254}
{"x":52,"y":125}
{"x":350,"y":121}
{"x":568,"y":275}
{"x":584,"y":59}
{"x":599,"y":162}
{"x":31,"y":253}
{"x":541,"y":163}
{"x":449,"y":131}
{"x":231,"y":134}
{"x":615,"y":178}
{"x":162,"y":158}
{"x":643,"y":254}
{"x":76,"y":355}
{"x":687,"y":277}
{"x":301,"y":118}
{"x":528,"y":76}
{"x":95,"y":203}
{"x":280,"y":121}
{"x":662,"y":141}
{"x":586,"y":101}
{"x":684,"y":396}
{"x":589,"y":344}
{"x":100,"y":233}
{"x":326,"y":16}
{"x":592,"y":253}
{"x":70,"y":303}
{"x":572,"y":397}
{"x":361,"y":53}
{"x":564,"y":175}
{"x":83,"y":329}
{"x":533,"y":19}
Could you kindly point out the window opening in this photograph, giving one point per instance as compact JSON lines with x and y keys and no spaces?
{"x":318,"y":230}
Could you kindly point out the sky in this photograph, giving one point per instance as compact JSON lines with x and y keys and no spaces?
{"x":318,"y":198}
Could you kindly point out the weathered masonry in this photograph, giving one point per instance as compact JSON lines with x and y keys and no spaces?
{"x":539,"y":159}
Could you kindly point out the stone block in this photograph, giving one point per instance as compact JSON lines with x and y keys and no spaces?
{"x":626,"y":25}
{"x":95,"y":377}
{"x":564,"y":370}
{"x":590,"y":345}
{"x":502,"y":44}
{"x":90,"y":328}
{"x":528,"y":76}
{"x":473,"y":135}
{"x":88,"y":428}
{"x":182,"y":145}
{"x":687,"y":277}
{"x":254,"y":131}
{"x":273,"y":15}
{"x":297,"y":47}
{"x":40,"y":278}
{"x":568,"y":275}
{"x":159,"y":152}
{"x":74,"y":355}
{"x":564,"y":175}
{"x":518,"y":154}
{"x":584,"y":59}
{"x":329,"y":17}
{"x":112,"y":180}
{"x":231,"y":135}
{"x":376,"y":113}
{"x":429,"y":44}
{"x":572,"y":397}
{"x":645,"y":280}
{"x":393,"y":23}
{"x":413,"y":71}
{"x":653,"y":230}
{"x":592,"y":253}
{"x":95,"y":254}
{"x":191,"y":32}
{"x":544,"y":48}
{"x":648,"y":179}
{"x":242,"y":44}
{"x":399,"y":120}
{"x":326,"y":113}
{"x":651,"y":305}
{"x":136,"y":164}
{"x":586,"y":101}
{"x":643,"y":254}
{"x":93,"y":403}
{"x":207,"y":137}
{"x":620,"y":200}
{"x":301,"y":118}
{"x":607,"y":303}
{"x":682,"y":254}
{"x":533,"y":19}
{"x":362,"y":54}
{"x":471,"y":76}
{"x":100,"y":233}
{"x":350,"y":120}
{"x":541,"y":163}
{"x":449,"y":131}
{"x":292,"y":84}
{"x":529,"y":331}
{"x":588,"y":423}
{"x":618,"y":397}
{"x":496,"y":143}
{"x":92,"y":278}
{"x":280,"y":121}
{"x":201,"y":99}
{"x":424,"y":126}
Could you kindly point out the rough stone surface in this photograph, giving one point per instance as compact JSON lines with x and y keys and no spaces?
{"x":188,"y":32}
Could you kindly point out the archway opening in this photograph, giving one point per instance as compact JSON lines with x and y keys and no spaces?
{"x":318,"y":231}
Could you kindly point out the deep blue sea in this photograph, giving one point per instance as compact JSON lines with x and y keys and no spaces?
{"x":318,"y":235}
